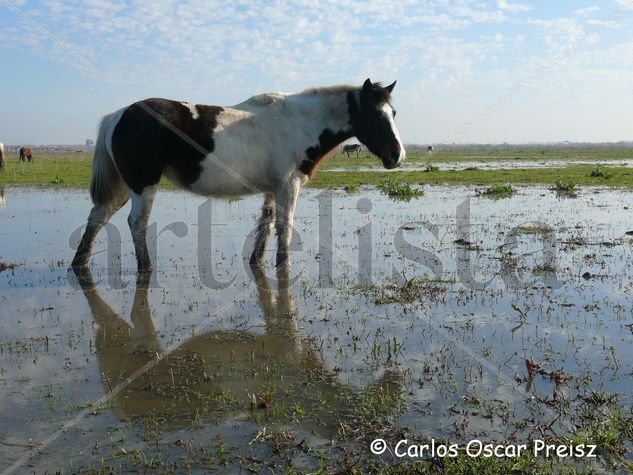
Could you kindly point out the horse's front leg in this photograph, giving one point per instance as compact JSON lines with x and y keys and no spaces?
{"x":285,"y":200}
{"x":264,"y":227}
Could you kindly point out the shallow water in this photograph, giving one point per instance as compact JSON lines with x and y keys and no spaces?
{"x":207,"y":354}
{"x":496,"y":165}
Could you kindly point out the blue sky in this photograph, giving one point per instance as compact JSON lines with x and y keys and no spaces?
{"x":452,"y":60}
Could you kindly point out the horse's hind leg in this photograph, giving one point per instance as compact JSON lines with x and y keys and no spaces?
{"x":264,"y":227}
{"x":139,"y":215}
{"x":98,"y":217}
{"x":285,"y":200}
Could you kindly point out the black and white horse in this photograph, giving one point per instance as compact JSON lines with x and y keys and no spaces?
{"x":429,"y":150}
{"x":1,"y":156}
{"x":270,"y":144}
{"x":352,"y":148}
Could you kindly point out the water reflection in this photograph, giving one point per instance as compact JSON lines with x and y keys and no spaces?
{"x":275,"y":375}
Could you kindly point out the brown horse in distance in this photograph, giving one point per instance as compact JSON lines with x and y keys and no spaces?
{"x":26,"y":154}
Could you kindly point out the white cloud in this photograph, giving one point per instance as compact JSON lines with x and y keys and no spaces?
{"x":513,"y":7}
{"x":559,"y":31}
{"x":587,"y":11}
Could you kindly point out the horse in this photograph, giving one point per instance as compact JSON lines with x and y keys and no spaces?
{"x":1,"y":156}
{"x":351,"y":148}
{"x":271,"y":144}
{"x":26,"y":154}
{"x":429,"y":150}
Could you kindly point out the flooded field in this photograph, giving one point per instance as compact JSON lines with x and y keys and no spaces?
{"x":493,"y":165}
{"x":450,"y":317}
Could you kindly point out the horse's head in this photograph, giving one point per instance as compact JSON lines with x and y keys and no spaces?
{"x":373,"y":123}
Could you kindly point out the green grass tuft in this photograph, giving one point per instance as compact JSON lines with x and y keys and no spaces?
{"x":601,"y":173}
{"x":497,"y":191}
{"x":351,"y":187}
{"x":398,"y":190}
{"x":566,"y":186}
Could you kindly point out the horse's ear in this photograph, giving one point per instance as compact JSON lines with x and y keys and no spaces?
{"x":367,"y":86}
{"x":391,"y":86}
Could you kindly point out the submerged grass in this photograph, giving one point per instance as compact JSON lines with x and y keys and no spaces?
{"x":533,"y":229}
{"x":411,"y":290}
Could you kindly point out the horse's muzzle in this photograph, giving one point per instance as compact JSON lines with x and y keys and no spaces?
{"x":390,"y":164}
{"x":394,"y":160}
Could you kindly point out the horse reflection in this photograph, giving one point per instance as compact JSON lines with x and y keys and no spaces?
{"x":253,"y":372}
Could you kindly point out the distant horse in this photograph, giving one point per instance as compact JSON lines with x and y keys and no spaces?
{"x":26,"y":154}
{"x":351,"y":148}
{"x":1,"y":156}
{"x":429,"y":149}
{"x":270,"y":144}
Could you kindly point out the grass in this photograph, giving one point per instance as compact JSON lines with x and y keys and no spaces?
{"x":601,"y":173}
{"x":58,"y":171}
{"x":73,"y":171}
{"x":351,"y":188}
{"x":377,"y":404}
{"x":410,"y":291}
{"x":566,"y":186}
{"x":578,"y":174}
{"x":398,"y":190}
{"x":430,"y":168}
{"x":465,"y":465}
{"x":533,"y":229}
{"x":497,"y":191}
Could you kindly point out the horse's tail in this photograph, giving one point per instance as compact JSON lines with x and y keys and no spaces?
{"x":106,"y":181}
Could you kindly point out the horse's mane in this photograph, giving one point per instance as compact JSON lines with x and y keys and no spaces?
{"x":378,"y":87}
{"x":265,"y":99}
{"x":331,"y":89}
{"x":270,"y":98}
